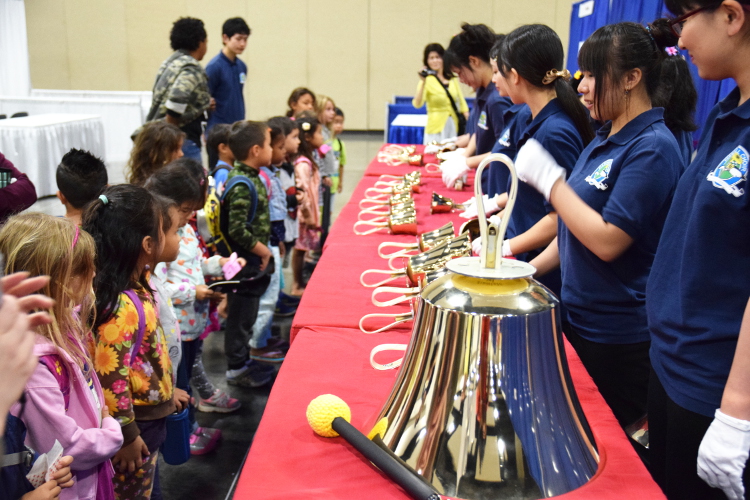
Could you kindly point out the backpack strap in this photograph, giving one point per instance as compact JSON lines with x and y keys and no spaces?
{"x":141,"y":324}
{"x":219,"y":167}
{"x":241,"y":179}
{"x":54,"y":364}
{"x":267,"y":182}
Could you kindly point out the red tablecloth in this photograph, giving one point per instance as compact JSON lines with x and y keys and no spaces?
{"x":288,"y":460}
{"x":378,"y":168}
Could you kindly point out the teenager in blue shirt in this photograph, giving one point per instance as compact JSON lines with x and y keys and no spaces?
{"x":698,"y":290}
{"x":468,"y":55}
{"x":612,"y":209}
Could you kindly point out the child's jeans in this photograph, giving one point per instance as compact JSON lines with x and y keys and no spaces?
{"x":262,"y":326}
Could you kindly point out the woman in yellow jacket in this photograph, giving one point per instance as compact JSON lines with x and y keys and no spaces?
{"x":433,"y":88}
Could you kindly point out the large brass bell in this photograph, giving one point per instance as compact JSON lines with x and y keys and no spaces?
{"x":483,"y":407}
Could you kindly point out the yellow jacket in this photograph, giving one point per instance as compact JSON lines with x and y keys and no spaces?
{"x":438,"y":105}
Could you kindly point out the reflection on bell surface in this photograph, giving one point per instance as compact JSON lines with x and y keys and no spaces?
{"x":483,"y":407}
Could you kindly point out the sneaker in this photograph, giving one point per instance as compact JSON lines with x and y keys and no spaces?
{"x":286,"y":305}
{"x":267,"y":355}
{"x":219,"y":402}
{"x":204,"y":440}
{"x":278,"y":343}
{"x":256,"y":375}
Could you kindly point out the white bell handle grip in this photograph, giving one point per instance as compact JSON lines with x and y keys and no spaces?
{"x":378,"y":193}
{"x":387,"y":184}
{"x":377,"y":226}
{"x":383,"y":348}
{"x":404,"y":295}
{"x":492,"y":236}
{"x":389,"y":177}
{"x":398,"y":319}
{"x":391,"y":276}
{"x":406,"y":248}
{"x":395,"y":263}
{"x":380,"y":216}
{"x":366,"y":202}
{"x":432,"y":168}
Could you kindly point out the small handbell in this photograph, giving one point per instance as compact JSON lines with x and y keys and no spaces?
{"x":442,"y":204}
{"x":385,"y":211}
{"x":425,"y":241}
{"x":391,"y":200}
{"x":397,"y":224}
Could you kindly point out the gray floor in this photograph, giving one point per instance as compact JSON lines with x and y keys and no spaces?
{"x":212,"y":476}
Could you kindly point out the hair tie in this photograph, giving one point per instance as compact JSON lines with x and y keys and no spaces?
{"x":75,"y":238}
{"x":305,"y":126}
{"x":104,"y":199}
{"x":651,"y":36}
{"x":553,"y":75}
{"x":672,"y":51}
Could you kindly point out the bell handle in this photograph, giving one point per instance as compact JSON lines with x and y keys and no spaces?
{"x":398,"y":319}
{"x":432,"y":168}
{"x":396,"y":264}
{"x":375,"y":203}
{"x":405,"y":247}
{"x":391,"y":276}
{"x":378,"y":193}
{"x":383,"y":348}
{"x":380,"y":216}
{"x":397,"y":178}
{"x":387,"y":184}
{"x":377,"y":227}
{"x":492,"y":236}
{"x":406,"y":294}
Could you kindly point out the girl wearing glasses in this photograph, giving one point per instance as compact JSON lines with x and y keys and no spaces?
{"x":698,"y":309}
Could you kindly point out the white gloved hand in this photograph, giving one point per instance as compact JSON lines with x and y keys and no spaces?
{"x":506,"y":249}
{"x":449,"y":155}
{"x":453,"y":170}
{"x":496,"y":220}
{"x":449,"y":140}
{"x":431,"y":149}
{"x":537,"y":168}
{"x":470,"y":207}
{"x":476,"y":246}
{"x":723,"y":453}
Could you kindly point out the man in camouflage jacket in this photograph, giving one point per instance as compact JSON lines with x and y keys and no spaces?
{"x":180,"y":94}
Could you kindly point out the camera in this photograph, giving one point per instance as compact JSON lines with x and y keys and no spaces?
{"x":426,"y":72}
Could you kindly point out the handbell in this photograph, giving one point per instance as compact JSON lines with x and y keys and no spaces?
{"x":442,"y":204}
{"x":483,"y":407}
{"x":379,"y":202}
{"x":375,"y":193}
{"x":397,"y":224}
{"x":384,"y":211}
{"x":425,"y":241}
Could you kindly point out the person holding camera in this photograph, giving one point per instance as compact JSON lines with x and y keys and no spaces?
{"x":447,"y":111}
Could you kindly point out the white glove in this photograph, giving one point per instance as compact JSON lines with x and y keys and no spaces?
{"x":431,"y":149}
{"x":476,"y":246}
{"x":537,"y":168}
{"x":449,"y":140}
{"x":506,"y":249}
{"x":453,"y":170}
{"x":723,"y":453}
{"x":449,"y":155}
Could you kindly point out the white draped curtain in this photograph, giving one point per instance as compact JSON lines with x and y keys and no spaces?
{"x":15,"y":78}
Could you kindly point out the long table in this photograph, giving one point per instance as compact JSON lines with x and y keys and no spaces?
{"x":330,"y":354}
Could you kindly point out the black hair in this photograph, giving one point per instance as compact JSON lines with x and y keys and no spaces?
{"x":165,"y":204}
{"x":495,"y":50}
{"x":296,"y":95}
{"x":473,"y":40}
{"x":182,"y":180}
{"x":436,"y":47}
{"x":533,"y":50}
{"x":219,"y":134}
{"x":307,"y":123}
{"x":283,"y":122}
{"x":615,"y":49}
{"x":276,"y":132}
{"x":80,"y":176}
{"x":187,"y":34}
{"x":339,"y":112}
{"x":234,"y":26}
{"x":244,"y":135}
{"x":679,"y":7}
{"x":118,"y":227}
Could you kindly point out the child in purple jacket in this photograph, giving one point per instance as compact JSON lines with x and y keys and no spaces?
{"x":63,"y":399}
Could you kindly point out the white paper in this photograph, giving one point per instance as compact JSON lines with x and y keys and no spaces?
{"x":585,"y":9}
{"x":45,"y":466}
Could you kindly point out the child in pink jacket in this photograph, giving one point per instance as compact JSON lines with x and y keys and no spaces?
{"x":63,"y":399}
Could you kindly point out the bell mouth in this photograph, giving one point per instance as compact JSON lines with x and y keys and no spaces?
{"x":509,"y":269}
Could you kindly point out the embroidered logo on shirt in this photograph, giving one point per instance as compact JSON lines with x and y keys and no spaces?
{"x":482,"y":122}
{"x":505,"y":138}
{"x":242,"y":78}
{"x":600,"y":175}
{"x":731,"y":172}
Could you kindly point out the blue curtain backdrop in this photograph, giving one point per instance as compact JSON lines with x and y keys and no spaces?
{"x":640,"y":11}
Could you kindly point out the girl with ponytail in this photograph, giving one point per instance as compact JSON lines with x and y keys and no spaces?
{"x":612,"y":208}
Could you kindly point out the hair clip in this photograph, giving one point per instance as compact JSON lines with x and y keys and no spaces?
{"x":104,"y":199}
{"x":305,"y":126}
{"x":75,"y":238}
{"x":553,"y":75}
{"x":672,"y":51}
{"x":578,"y":75}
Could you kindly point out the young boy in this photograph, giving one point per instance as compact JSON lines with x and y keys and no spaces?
{"x":250,"y":143}
{"x":217,"y":145}
{"x":81,"y":176}
{"x":262,"y":347}
{"x":339,"y":150}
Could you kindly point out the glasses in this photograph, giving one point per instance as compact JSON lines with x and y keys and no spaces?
{"x":677,"y":23}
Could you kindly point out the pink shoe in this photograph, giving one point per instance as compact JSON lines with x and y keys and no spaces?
{"x":204,"y":440}
{"x":219,"y":402}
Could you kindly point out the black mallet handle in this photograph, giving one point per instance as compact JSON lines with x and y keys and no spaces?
{"x":383,"y":461}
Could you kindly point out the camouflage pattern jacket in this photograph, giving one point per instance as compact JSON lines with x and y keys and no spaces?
{"x":181,"y":87}
{"x":243,"y":236}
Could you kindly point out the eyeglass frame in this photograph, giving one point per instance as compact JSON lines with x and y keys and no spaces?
{"x":681,"y":19}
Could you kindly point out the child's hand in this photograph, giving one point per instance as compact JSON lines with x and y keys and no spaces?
{"x":282,"y":250}
{"x":264,"y":253}
{"x":63,"y":476}
{"x":242,"y":262}
{"x":202,"y":292}
{"x":327,"y":181}
{"x":130,"y":457}
{"x":105,"y":412}
{"x":340,"y":188}
{"x":222,"y":307}
{"x":217,"y":297}
{"x":181,"y":399}
{"x":48,"y":491}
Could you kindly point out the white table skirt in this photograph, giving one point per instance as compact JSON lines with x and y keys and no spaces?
{"x":36,"y":144}
{"x":410,"y":121}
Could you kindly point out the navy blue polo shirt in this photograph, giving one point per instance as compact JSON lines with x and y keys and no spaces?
{"x":685,"y":142}
{"x":629,"y":178}
{"x":558,"y":134}
{"x":516,"y":119}
{"x":490,"y":123}
{"x":700,"y":281}
{"x":226,"y":78}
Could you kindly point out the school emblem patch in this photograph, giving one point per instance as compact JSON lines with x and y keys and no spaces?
{"x":600,"y":175}
{"x":731,"y":172}
{"x":482,"y":122}
{"x":505,"y":138}
{"x":242,"y":78}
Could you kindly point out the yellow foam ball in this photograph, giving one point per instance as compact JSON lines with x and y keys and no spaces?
{"x":322,"y":410}
{"x":379,"y":430}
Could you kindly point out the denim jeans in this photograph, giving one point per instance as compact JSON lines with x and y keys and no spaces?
{"x":262,"y":326}
{"x":192,"y":150}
